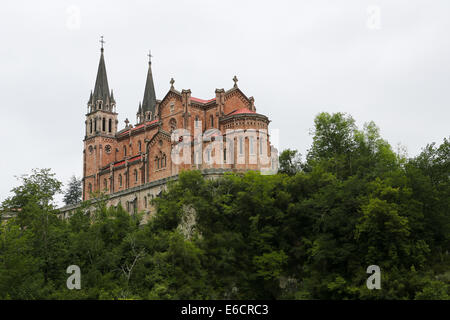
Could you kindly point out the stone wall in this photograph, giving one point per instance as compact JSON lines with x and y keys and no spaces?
{"x":137,"y":199}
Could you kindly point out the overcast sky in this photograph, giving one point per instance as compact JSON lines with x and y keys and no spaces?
{"x":386,"y":61}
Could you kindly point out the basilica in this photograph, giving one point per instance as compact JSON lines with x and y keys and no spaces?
{"x":132,"y":164}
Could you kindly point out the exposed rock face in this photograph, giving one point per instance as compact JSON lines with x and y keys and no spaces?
{"x":188,"y":222}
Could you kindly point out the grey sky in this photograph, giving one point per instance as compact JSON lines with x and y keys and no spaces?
{"x":297,"y":58}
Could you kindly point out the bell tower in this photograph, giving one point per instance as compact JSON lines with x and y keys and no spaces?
{"x":100,"y":129}
{"x":101,"y":117}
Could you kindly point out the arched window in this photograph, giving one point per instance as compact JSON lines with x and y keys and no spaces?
{"x":110,"y":125}
{"x":95,"y":124}
{"x":250,"y":142}
{"x":103,"y":124}
{"x":124,"y":151}
{"x":172,"y":124}
{"x":105,"y":184}
{"x":90,"y":125}
{"x":197,"y":121}
{"x":211,"y":119}
{"x":135,"y":175}
{"x":156,"y":163}
{"x":140,"y":146}
{"x":120,"y":180}
{"x":90,"y":188}
{"x":163,"y":161}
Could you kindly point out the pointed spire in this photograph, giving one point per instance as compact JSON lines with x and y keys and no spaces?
{"x":149,"y":101}
{"x":112,"y":96}
{"x":101,"y":89}
{"x":90,"y":98}
{"x":139,"y":115}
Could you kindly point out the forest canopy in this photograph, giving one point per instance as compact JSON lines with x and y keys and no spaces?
{"x":308,"y":232}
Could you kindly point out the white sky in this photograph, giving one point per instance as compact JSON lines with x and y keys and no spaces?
{"x":297,"y":58}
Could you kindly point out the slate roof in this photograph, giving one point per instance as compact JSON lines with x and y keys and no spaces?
{"x":101,"y":88}
{"x":149,"y":101}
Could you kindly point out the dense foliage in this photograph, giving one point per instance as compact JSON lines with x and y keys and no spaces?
{"x":74,"y":191}
{"x":309,"y":232}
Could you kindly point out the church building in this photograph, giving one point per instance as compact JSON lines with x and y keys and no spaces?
{"x":131,"y":165}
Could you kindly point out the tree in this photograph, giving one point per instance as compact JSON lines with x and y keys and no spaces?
{"x":73,"y":192}
{"x":290,"y":162}
{"x":38,"y":188}
{"x":333,"y":143}
{"x":333,"y":135}
{"x":306,"y":234}
{"x":19,"y":272}
{"x":36,"y":216}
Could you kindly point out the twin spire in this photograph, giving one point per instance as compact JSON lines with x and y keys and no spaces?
{"x":101,"y":89}
{"x":148,"y":106}
{"x":102,"y":93}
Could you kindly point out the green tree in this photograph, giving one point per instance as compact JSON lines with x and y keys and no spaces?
{"x":290,"y":162}
{"x":73,"y":193}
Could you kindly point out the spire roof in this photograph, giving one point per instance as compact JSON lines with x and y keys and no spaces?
{"x":140,"y":108}
{"x":101,"y":89}
{"x":149,"y":101}
{"x":90,"y":98}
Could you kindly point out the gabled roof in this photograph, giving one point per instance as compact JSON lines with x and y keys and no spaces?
{"x":171,"y":90}
{"x":228,"y":92}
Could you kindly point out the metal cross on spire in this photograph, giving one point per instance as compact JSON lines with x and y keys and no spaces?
{"x":149,"y":56}
{"x":102,"y":41}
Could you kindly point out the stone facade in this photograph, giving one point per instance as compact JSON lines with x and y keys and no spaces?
{"x":178,"y":132}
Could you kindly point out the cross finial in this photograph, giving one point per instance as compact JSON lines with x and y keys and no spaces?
{"x":102,"y":41}
{"x":149,"y":56}
{"x":235,"y":79}
{"x":126,"y":122}
{"x":171,"y":83}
